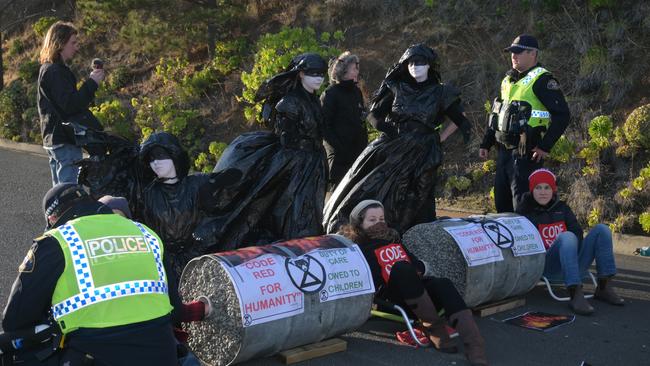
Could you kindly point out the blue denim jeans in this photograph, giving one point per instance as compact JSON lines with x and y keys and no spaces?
{"x":62,"y":166}
{"x":568,"y":261}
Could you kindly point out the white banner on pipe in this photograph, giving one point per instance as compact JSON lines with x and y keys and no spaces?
{"x":477,"y":247}
{"x":348,"y":273}
{"x":525,"y":236}
{"x":264,"y":290}
{"x":272,"y":286}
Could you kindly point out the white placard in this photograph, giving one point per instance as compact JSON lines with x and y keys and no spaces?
{"x":475,"y":244}
{"x":264,"y":290}
{"x":348,"y":273}
{"x":272,"y":286}
{"x":526,"y":238}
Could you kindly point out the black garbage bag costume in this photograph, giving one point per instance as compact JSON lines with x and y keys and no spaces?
{"x":116,"y":172}
{"x":282,"y":191}
{"x":399,"y":168}
{"x":174,"y":211}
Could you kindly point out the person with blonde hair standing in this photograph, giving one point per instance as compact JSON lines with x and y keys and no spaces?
{"x":60,"y":101}
{"x":344,"y":112}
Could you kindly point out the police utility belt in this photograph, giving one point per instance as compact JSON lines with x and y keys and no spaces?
{"x":510,"y":122}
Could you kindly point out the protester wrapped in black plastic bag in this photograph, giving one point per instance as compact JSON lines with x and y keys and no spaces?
{"x":282,"y":191}
{"x":399,"y":168}
{"x":174,"y":203}
{"x":116,"y":171}
{"x":173,"y":210}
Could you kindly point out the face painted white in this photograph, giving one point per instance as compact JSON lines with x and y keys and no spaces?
{"x":419,"y":73}
{"x":312,"y":83}
{"x":164,"y":169}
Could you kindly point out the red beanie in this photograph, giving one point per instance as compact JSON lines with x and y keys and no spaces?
{"x":542,"y":176}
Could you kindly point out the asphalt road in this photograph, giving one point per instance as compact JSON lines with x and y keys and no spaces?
{"x":616,"y":336}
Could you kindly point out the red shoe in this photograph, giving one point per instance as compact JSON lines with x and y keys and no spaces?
{"x":453,"y":333}
{"x":406,"y":338}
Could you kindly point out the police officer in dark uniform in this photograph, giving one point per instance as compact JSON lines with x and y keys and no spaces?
{"x":526,"y":120}
{"x":100,"y":277}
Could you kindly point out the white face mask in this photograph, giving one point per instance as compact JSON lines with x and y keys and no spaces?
{"x":419,"y":73}
{"x":312,"y":83}
{"x":164,"y":169}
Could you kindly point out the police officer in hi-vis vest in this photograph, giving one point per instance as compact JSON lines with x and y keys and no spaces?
{"x":526,"y":120}
{"x":101,"y":278}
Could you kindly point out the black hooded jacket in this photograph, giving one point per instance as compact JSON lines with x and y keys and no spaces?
{"x":174,"y":211}
{"x":402,"y":104}
{"x":551,"y":219}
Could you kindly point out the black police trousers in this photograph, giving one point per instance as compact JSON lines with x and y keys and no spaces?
{"x":511,"y":181}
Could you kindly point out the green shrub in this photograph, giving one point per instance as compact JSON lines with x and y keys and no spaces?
{"x":118,"y":78}
{"x":43,"y":25}
{"x":458,"y":183}
{"x":229,"y":55}
{"x":625,"y":193}
{"x":637,"y":127}
{"x":594,"y":60}
{"x":274,"y":51}
{"x":639,"y":183}
{"x":563,"y":150}
{"x":589,"y":171}
{"x":477,"y":174}
{"x":13,"y":101}
{"x":489,"y":166}
{"x":644,"y":220}
{"x":28,"y":71}
{"x":601,"y":127}
{"x":594,"y":217}
{"x":176,"y":74}
{"x":590,"y":153}
{"x":206,"y":162}
{"x":167,"y":114}
{"x":116,"y":117}
{"x":16,"y":47}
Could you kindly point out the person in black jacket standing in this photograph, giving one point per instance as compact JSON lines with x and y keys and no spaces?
{"x":397,"y":275}
{"x":344,"y":130}
{"x":568,"y":255}
{"x":60,"y":101}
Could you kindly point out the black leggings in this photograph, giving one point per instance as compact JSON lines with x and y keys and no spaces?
{"x":405,"y":283}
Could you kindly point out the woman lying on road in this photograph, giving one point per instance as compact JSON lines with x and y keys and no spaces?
{"x":400,"y":281}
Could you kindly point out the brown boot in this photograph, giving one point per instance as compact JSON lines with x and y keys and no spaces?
{"x":578,"y":303}
{"x":474,"y":344}
{"x":605,"y":292}
{"x":434,"y":325}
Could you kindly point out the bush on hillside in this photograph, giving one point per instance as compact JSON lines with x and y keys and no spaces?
{"x":42,"y":25}
{"x":116,"y":117}
{"x":637,"y":127}
{"x":275,"y":51}
{"x":28,"y":71}
{"x":13,"y":101}
{"x":563,"y":150}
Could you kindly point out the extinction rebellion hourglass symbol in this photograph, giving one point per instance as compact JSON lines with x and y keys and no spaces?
{"x":306,"y":273}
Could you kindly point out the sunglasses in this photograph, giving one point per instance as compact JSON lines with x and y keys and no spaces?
{"x":315,"y":73}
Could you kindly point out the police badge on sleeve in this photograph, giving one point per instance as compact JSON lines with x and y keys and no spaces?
{"x":28,"y":264}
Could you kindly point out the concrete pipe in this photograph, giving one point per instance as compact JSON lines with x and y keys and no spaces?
{"x":271,"y":298}
{"x":488,"y":258}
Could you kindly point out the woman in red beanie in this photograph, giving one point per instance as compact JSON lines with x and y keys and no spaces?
{"x":568,"y":255}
